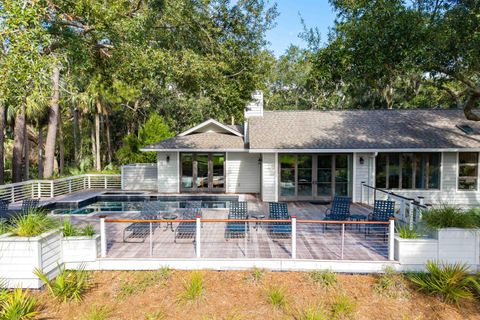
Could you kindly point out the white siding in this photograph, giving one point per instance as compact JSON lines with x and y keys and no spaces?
{"x":363,"y":173}
{"x":142,"y":176}
{"x":269,"y":177}
{"x":168,"y":172}
{"x":242,"y":172}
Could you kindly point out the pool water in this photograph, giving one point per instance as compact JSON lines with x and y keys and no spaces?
{"x":126,"y":206}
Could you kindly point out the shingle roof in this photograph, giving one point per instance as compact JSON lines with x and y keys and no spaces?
{"x":200,"y":141}
{"x":362,"y":129}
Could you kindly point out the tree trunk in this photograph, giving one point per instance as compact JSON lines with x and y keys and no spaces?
{"x":472,"y":102}
{"x":40,"y":152}
{"x":98,"y":160}
{"x":61,"y":146}
{"x":2,"y":143}
{"x":18,"y":144}
{"x":94,"y":145}
{"x":26,"y":155}
{"x":76,"y":138}
{"x":109,"y":139}
{"x":53,"y":112}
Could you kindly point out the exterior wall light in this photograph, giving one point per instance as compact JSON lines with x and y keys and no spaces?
{"x":168,"y":159}
{"x":362,"y":161}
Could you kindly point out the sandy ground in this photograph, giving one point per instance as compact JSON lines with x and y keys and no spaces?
{"x":234,"y":295}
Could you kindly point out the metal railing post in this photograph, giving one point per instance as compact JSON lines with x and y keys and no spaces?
{"x":103,"y":237}
{"x":197,"y":238}
{"x":13,"y":194}
{"x":391,"y":239}
{"x":70,"y":186}
{"x":402,"y":209}
{"x":52,"y":191}
{"x":246,"y":239}
{"x":151,"y":239}
{"x":105,"y":182}
{"x":343,"y":240}
{"x":410,"y":215}
{"x":33,"y":190}
{"x":39,"y":190}
{"x":362,"y":186}
{"x":89,"y":182}
{"x":421,"y":201}
{"x":294,"y":237}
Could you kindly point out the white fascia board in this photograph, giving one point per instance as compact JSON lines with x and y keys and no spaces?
{"x":208,"y":122}
{"x":363,"y":150}
{"x":194,"y":150}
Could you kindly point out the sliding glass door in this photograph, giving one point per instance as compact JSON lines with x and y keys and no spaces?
{"x":202,"y":172}
{"x":314,"y":176}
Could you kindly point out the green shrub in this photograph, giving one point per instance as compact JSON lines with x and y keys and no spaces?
{"x":32,"y":224}
{"x":276,"y":297}
{"x":343,"y":307}
{"x":451,"y":282}
{"x":17,"y":305}
{"x":391,"y":284}
{"x":193,"y":287}
{"x":405,"y":233}
{"x":68,"y":284}
{"x":326,"y":278}
{"x":4,"y":227}
{"x":69,"y":230}
{"x":448,"y":216}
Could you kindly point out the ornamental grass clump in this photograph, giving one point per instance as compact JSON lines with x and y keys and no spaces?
{"x":406,"y":233}
{"x":193,"y":287}
{"x":17,"y":305}
{"x":450,"y":282}
{"x":69,"y":230}
{"x":448,"y":216}
{"x":32,"y":224}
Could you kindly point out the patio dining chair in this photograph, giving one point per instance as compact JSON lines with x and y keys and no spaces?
{"x":140,"y":230}
{"x":383,"y":210}
{"x":4,"y":215}
{"x":187,"y":230}
{"x":29,"y":204}
{"x":338,"y":211}
{"x":238,"y":210}
{"x":279,"y":211}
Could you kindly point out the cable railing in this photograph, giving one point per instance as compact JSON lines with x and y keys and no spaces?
{"x":409,"y":210}
{"x":247,"y":239}
{"x":14,"y":192}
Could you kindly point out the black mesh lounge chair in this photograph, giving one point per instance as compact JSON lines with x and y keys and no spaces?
{"x":339,"y":210}
{"x":279,"y":211}
{"x":4,"y":215}
{"x":237,"y":211}
{"x":28,"y":205}
{"x":383,"y":210}
{"x":187,"y":230}
{"x":139,"y":231}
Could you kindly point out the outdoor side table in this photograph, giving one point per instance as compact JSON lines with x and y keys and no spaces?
{"x":358,"y":218}
{"x":170,"y":217}
{"x":258,"y":217}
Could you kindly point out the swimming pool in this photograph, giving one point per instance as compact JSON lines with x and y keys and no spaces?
{"x":107,"y":204}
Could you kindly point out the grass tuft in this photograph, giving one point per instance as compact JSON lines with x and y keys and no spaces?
{"x":391,"y":284}
{"x":97,"y":313}
{"x":405,"y":233}
{"x":276,"y":297}
{"x":342,"y":308}
{"x":68,"y":285}
{"x":325,"y":278}
{"x":193,"y":287}
{"x":256,"y":275}
{"x":157,"y":315}
{"x":143,"y":281}
{"x":69,"y":230}
{"x":32,"y":224}
{"x":311,"y":313}
{"x":450,"y":282}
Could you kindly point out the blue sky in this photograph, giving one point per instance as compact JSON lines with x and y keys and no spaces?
{"x":316,"y":13}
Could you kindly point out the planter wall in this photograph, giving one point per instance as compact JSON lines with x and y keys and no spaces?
{"x":415,"y":251}
{"x":19,"y":256}
{"x":80,"y":249}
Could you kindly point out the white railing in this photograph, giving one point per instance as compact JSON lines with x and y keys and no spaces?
{"x":409,"y":210}
{"x":14,"y":192}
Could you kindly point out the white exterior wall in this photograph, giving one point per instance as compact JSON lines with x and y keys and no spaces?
{"x":141,"y":176}
{"x":448,"y":192}
{"x":242,"y":171}
{"x":362,"y":173}
{"x":269,"y":177}
{"x":168,"y":172}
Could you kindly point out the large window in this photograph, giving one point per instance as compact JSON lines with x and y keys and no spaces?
{"x":467,"y":171}
{"x":408,"y":170}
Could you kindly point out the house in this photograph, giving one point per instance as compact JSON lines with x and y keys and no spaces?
{"x":314,"y":155}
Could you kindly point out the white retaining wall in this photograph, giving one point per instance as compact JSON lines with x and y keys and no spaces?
{"x":80,"y":249}
{"x":141,"y":176}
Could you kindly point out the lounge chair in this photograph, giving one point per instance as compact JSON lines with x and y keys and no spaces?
{"x":338,"y":211}
{"x":4,"y":214}
{"x":187,"y":230}
{"x":141,"y":230}
{"x":383,"y":210}
{"x":279,"y":211}
{"x":238,"y":211}
{"x":29,"y":205}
